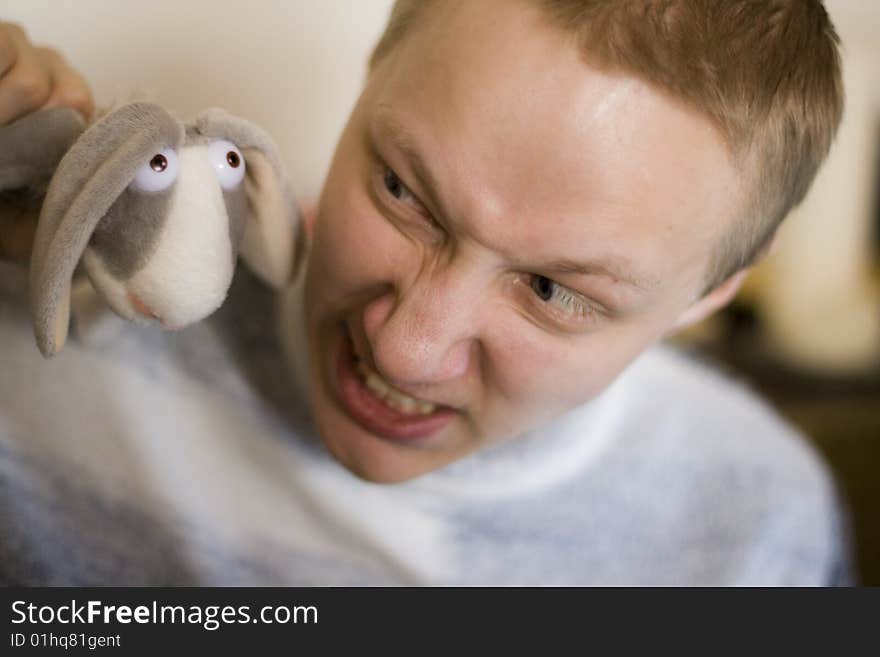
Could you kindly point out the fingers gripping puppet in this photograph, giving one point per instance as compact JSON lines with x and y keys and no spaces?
{"x":156,"y":211}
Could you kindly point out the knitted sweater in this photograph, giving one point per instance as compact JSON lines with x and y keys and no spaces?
{"x":151,"y":457}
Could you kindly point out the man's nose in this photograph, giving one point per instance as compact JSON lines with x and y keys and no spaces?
{"x":426,"y":333}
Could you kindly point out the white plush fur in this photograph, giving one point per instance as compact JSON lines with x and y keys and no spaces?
{"x":188,"y":275}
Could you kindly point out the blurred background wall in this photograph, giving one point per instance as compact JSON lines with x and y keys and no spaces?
{"x":820,"y":297}
{"x":292,"y":66}
{"x":806,"y":330}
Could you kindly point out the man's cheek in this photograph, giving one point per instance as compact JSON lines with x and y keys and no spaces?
{"x":530,"y":367}
{"x":556,"y":373}
{"x":355,"y":246}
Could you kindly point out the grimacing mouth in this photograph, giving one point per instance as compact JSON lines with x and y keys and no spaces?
{"x":382,"y":389}
{"x":392,"y":397}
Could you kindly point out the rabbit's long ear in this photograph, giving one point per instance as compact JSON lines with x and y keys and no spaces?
{"x":270,"y":241}
{"x":89,"y":179}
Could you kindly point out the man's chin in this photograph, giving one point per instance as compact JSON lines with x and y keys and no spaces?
{"x":376,"y":473}
{"x":376,"y":466}
{"x":370,"y":457}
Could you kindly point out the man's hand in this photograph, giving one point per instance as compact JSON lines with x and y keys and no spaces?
{"x":31,"y":78}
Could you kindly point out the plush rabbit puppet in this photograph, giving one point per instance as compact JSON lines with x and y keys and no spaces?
{"x":157,"y":211}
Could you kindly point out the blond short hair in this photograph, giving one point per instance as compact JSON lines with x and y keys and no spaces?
{"x":765,"y":72}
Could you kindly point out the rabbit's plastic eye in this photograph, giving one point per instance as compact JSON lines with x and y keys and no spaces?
{"x":228,"y":163}
{"x":157,"y":174}
{"x":159,"y":163}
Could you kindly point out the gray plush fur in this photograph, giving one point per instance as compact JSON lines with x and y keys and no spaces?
{"x":128,"y":234}
{"x":89,"y":180}
{"x":34,"y":145}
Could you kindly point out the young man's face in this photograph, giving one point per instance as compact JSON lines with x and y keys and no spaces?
{"x":503,"y":229}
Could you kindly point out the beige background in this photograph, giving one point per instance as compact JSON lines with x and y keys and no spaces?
{"x":820,"y":294}
{"x":295,"y":67}
{"x":292,"y":66}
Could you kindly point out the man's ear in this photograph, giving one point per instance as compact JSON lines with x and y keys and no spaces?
{"x":711,"y":301}
{"x":724,"y":293}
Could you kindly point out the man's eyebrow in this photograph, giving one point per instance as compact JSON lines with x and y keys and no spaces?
{"x":386,"y":124}
{"x":616,"y":269}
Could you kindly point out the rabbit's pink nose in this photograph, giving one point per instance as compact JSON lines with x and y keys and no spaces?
{"x":141,"y":307}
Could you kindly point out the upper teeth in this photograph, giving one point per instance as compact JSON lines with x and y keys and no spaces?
{"x":394,"y":398}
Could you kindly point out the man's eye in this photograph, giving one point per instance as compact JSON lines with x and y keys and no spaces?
{"x":392,"y":185}
{"x":543,"y":287}
{"x":561,"y":301}
{"x":395,"y":186}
